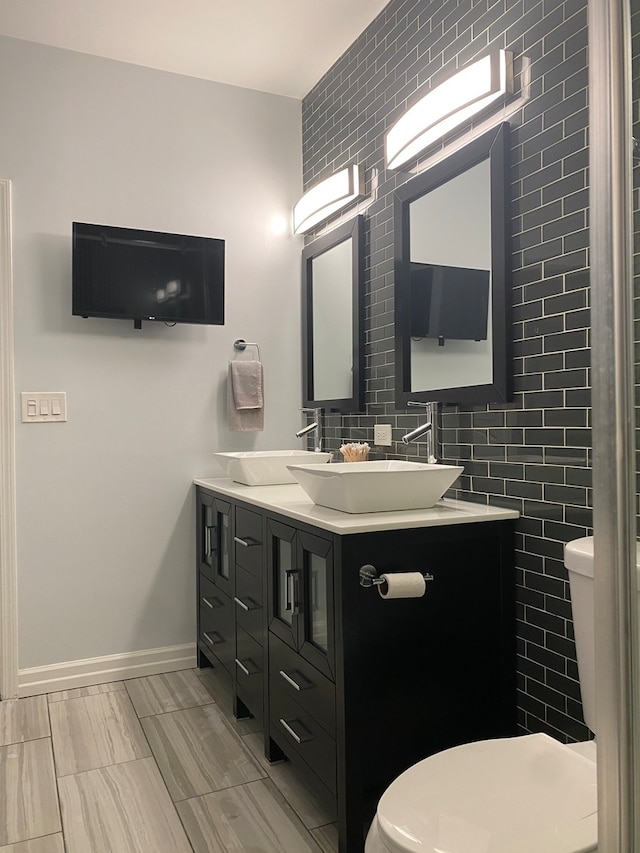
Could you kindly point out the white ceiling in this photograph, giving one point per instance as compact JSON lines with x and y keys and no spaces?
{"x":279,"y":46}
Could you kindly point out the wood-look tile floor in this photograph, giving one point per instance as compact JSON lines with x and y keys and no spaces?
{"x":149,"y":765}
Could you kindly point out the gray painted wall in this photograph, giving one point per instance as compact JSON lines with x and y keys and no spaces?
{"x":105,"y":505}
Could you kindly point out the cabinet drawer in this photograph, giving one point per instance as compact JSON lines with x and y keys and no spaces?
{"x":248,"y":601}
{"x":297,"y":731}
{"x":248,"y":540}
{"x":249,"y":664}
{"x":210,"y":597}
{"x":303,"y":683}
{"x":217,"y":627}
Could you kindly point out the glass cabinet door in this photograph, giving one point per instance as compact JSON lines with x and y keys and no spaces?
{"x":221,"y":546}
{"x":283,"y":582}
{"x":318,"y":610}
{"x":315,"y":556}
{"x":206,"y":535}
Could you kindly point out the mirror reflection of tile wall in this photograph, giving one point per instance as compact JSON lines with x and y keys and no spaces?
{"x":534,"y":454}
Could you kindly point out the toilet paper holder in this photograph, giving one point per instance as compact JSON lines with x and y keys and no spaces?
{"x":368,"y":575}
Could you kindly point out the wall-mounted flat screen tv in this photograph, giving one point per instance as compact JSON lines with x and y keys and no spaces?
{"x":449,"y":302}
{"x":128,"y":274}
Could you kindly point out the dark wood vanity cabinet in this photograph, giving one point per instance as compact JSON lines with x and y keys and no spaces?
{"x":416,"y":676}
{"x":216,"y":638}
{"x":302,"y":696}
{"x":250,"y":624}
{"x":231,"y":623}
{"x":300,"y":597}
{"x":214,"y":548}
{"x":353,"y":688}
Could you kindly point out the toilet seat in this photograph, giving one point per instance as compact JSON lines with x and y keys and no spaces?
{"x":527,"y":794}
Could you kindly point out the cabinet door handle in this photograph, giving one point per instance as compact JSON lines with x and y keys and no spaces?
{"x":246,"y":543}
{"x":242,"y":667}
{"x":293,"y":683}
{"x":211,"y":641}
{"x":207,"y":526}
{"x":290,"y":602}
{"x":294,"y":735}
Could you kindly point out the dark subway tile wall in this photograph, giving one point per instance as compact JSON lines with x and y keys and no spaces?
{"x":534,"y":453}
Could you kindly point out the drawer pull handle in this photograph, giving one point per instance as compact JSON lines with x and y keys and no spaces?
{"x":246,"y":543}
{"x":247,"y":607}
{"x":293,"y":683}
{"x":212,"y":603}
{"x":211,"y":641}
{"x":242,"y":667}
{"x":291,"y":732}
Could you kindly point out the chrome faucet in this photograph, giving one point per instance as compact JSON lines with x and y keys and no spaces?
{"x":430,"y":429}
{"x":316,"y":425}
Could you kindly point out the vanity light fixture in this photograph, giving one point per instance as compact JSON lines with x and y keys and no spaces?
{"x":328,"y":197}
{"x":470,"y":91}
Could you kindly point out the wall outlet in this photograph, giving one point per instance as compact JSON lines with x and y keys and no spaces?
{"x":382,"y":435}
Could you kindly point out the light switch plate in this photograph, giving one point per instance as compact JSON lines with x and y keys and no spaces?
{"x":382,"y":435}
{"x":43,"y":407}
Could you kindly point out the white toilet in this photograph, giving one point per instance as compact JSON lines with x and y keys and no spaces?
{"x":527,"y":794}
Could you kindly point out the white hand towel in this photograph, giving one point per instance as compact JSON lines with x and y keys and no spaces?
{"x":245,"y":396}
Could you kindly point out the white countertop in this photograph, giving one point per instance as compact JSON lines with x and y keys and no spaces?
{"x":291,"y":500}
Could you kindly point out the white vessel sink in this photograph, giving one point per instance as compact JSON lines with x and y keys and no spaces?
{"x":376,"y":486}
{"x":265,"y":467}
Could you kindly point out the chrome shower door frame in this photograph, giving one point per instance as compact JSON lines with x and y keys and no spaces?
{"x":616,"y":632}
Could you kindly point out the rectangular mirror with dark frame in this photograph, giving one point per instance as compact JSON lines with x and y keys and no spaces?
{"x":452,"y":283}
{"x":333,"y":321}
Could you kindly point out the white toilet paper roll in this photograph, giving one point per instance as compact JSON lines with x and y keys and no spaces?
{"x":402,"y":585}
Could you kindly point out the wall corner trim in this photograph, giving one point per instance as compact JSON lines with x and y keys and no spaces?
{"x":8,"y":538}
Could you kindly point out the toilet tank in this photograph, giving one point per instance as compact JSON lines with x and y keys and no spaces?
{"x":578,"y":558}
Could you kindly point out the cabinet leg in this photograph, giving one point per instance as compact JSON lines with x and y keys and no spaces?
{"x":203,"y":661}
{"x":272,"y":751}
{"x":240,"y":710}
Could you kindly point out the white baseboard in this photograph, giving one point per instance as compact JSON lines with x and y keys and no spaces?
{"x":84,"y":673}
